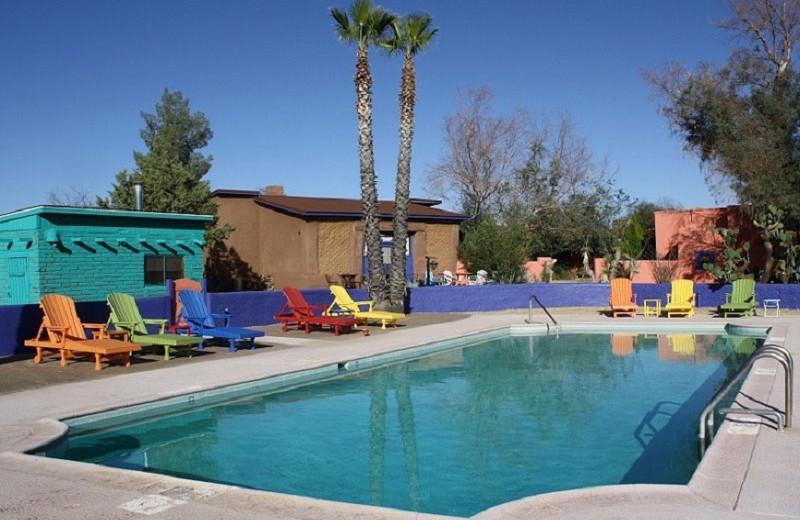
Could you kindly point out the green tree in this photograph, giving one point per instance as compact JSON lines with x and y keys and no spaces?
{"x":645,"y":213}
{"x":410,"y":35}
{"x":496,"y":248}
{"x":568,"y":198}
{"x":365,"y":26}
{"x":632,"y":244}
{"x":171,"y":171}
{"x":742,"y":119}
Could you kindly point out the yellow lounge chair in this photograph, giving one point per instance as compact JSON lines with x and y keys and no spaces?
{"x":681,"y":298}
{"x":682,"y":344}
{"x":344,"y":304}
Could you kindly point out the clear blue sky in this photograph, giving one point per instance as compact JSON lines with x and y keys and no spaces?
{"x":277,"y":87}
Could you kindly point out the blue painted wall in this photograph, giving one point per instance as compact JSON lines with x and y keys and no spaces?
{"x":20,"y":322}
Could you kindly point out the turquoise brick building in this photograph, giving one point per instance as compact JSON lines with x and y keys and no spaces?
{"x":85,"y":253}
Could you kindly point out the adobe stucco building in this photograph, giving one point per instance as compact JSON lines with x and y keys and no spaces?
{"x":299,"y":240}
{"x":685,"y":235}
{"x":685,"y":241}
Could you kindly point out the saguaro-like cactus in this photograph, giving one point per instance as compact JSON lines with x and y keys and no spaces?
{"x":787,"y":269}
{"x":768,"y":221}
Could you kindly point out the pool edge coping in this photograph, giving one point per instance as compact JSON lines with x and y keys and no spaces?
{"x":40,"y":432}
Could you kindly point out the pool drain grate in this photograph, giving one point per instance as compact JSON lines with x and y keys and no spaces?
{"x":151,"y":504}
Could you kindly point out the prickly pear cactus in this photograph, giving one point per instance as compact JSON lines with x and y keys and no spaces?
{"x":733,"y":262}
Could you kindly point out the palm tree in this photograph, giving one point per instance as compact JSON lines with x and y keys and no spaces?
{"x":365,"y":26}
{"x":410,"y":35}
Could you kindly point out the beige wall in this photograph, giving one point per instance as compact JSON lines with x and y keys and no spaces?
{"x":441,"y":241}
{"x":338,"y":247}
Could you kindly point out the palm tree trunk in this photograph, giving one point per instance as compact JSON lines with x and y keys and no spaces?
{"x":402,"y":186}
{"x":377,"y":436}
{"x":369,"y":190}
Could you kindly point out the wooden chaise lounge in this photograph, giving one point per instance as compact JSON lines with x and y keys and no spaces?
{"x":63,"y":333}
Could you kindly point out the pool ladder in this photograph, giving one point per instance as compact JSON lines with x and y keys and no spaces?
{"x":530,"y":312}
{"x":776,"y":352}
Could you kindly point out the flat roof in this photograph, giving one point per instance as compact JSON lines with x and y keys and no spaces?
{"x":99,"y":212}
{"x":320,"y":207}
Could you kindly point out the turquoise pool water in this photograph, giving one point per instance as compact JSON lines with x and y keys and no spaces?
{"x":454,"y":432}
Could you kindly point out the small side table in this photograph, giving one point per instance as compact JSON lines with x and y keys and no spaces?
{"x":177,"y":329}
{"x":652,"y":307}
{"x":772,"y":304}
{"x":111,"y":334}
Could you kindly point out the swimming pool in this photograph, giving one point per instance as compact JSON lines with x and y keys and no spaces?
{"x":453,"y":432}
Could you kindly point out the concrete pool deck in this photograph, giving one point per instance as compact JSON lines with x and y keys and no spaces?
{"x":751,"y":470}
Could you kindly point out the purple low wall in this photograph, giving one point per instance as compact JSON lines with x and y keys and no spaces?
{"x":713,"y":295}
{"x":499,"y":297}
{"x":20,"y":322}
{"x":260,"y":307}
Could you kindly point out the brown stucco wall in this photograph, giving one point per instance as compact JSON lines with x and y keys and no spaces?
{"x":299,"y":253}
{"x":288,"y":249}
{"x":240,"y":213}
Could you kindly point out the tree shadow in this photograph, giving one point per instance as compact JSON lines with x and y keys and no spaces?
{"x":226,"y":271}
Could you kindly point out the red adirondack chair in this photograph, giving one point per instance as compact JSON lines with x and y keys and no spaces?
{"x":298,"y":311}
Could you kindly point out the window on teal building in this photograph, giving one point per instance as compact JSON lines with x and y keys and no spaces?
{"x":157,"y":269}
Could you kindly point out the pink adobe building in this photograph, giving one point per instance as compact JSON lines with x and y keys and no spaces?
{"x":685,"y":235}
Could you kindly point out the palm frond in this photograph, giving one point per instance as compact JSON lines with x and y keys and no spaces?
{"x":360,"y":12}
{"x":365,"y":25}
{"x":343,"y":28}
{"x":410,"y":34}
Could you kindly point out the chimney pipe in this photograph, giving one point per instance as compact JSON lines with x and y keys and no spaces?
{"x":274,"y":190}
{"x":138,"y":196}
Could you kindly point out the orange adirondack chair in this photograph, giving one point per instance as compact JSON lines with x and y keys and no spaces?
{"x":622,"y":344}
{"x":622,"y":299}
{"x":62,"y":332}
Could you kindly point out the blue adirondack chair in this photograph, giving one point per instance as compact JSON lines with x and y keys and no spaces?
{"x":204,"y":323}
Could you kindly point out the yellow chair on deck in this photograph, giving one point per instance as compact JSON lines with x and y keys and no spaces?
{"x":344,"y":304}
{"x":681,"y":300}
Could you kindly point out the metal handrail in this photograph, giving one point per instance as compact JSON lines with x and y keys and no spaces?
{"x":530,"y":310}
{"x":775,"y":352}
{"x":788,"y":390}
